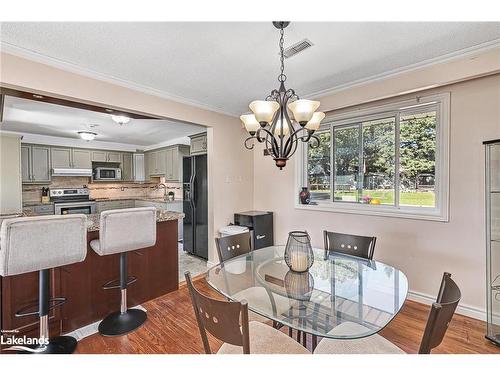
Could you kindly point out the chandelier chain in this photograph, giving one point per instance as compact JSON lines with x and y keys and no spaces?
{"x":282,"y":76}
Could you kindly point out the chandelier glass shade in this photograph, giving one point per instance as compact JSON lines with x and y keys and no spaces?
{"x":282,"y":119}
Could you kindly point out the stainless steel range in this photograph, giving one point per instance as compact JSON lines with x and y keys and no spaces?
{"x":72,"y":201}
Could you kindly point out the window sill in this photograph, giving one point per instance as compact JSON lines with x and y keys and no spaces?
{"x":359,"y":209}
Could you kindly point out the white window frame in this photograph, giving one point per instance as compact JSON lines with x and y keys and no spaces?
{"x":438,"y":213}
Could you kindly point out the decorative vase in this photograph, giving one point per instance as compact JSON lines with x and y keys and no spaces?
{"x":299,"y":255}
{"x":305,"y":196}
{"x":299,"y":286}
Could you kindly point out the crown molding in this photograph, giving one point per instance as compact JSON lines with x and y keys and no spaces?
{"x":453,"y":56}
{"x":67,"y":66}
{"x":73,"y":68}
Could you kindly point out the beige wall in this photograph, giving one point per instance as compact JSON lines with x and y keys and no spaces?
{"x":230,"y":165}
{"x":10,"y":174}
{"x":422,"y":249}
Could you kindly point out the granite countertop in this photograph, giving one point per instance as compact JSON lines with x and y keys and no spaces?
{"x":146,"y":199}
{"x":94,"y":219}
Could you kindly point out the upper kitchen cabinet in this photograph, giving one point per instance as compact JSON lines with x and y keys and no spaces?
{"x":114,"y":157}
{"x":127,"y":167}
{"x":61,"y":157}
{"x":71,"y":158}
{"x":81,"y":158}
{"x":99,"y":156}
{"x":174,"y":157}
{"x":157,"y":163}
{"x":106,"y":156}
{"x":198,"y":144}
{"x":35,"y":163}
{"x":139,"y":165}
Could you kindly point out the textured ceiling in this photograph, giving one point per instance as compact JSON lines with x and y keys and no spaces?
{"x":226,"y":65}
{"x":32,"y":117}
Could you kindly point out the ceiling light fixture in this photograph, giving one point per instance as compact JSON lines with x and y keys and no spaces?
{"x":122,"y":120}
{"x":87,"y":136}
{"x":283,"y":118}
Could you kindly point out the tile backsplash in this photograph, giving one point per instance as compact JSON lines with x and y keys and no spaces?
{"x":104,"y":190}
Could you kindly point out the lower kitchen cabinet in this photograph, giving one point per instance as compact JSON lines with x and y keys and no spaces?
{"x":114,"y":205}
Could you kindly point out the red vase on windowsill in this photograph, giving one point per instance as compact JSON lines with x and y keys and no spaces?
{"x":305,"y":196}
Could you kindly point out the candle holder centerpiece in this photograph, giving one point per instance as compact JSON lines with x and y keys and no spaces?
{"x":299,"y":285}
{"x":299,"y":255}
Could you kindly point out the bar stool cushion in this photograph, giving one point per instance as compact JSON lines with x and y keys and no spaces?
{"x":125,"y":230}
{"x":374,"y":344}
{"x":29,"y":244}
{"x":265,"y":339}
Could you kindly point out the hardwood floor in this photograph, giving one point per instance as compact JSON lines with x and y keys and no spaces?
{"x":171,"y":328}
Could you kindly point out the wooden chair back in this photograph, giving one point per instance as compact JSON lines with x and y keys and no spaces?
{"x":232,"y":246}
{"x":220,"y":318}
{"x":440,"y":315}
{"x":350,"y":244}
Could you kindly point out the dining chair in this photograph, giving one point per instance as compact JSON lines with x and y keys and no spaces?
{"x":228,"y":321}
{"x":229,"y":247}
{"x":350,"y":244}
{"x":232,"y":246}
{"x":437,"y":323}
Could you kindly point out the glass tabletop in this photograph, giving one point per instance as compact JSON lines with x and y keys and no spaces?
{"x":340,"y":297}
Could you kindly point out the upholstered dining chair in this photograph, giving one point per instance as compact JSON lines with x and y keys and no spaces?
{"x":349,"y":244}
{"x":437,"y":323}
{"x":239,"y":244}
{"x":228,"y":321}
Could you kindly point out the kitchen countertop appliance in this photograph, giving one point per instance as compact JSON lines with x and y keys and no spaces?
{"x":107,"y":174}
{"x":72,"y":201}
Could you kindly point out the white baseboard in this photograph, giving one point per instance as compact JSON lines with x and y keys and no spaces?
{"x":472,"y":312}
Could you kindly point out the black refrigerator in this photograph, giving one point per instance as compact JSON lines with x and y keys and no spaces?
{"x":195,"y":186}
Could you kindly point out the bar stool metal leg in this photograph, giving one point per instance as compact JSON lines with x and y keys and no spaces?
{"x":56,"y":345}
{"x":126,"y":320}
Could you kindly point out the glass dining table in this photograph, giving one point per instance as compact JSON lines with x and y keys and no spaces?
{"x":340,"y":297}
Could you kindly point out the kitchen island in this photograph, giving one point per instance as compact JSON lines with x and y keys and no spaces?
{"x":156,"y":270}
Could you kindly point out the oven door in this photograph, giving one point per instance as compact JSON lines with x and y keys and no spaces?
{"x":74,"y":208}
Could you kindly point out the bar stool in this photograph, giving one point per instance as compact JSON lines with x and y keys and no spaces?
{"x":29,"y":244}
{"x":121,"y":231}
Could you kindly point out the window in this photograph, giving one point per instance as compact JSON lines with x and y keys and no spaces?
{"x":389,"y":160}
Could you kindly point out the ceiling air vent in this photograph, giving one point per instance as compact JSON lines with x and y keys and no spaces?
{"x":297,"y":47}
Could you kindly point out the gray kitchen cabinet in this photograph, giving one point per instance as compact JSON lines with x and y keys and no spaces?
{"x":139,"y":174}
{"x":35,"y":164}
{"x":114,"y":205}
{"x":114,"y":157}
{"x":43,"y":209}
{"x":25,"y":163}
{"x":198,"y":144}
{"x":61,"y":157}
{"x":170,"y":154}
{"x":157,"y":163}
{"x":81,"y":158}
{"x":174,"y":157}
{"x":127,"y":167}
{"x":99,"y":156}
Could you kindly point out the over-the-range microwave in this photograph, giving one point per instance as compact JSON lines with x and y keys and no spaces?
{"x":107,"y":174}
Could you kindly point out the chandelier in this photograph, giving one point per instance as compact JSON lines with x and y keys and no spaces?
{"x":282,"y":119}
